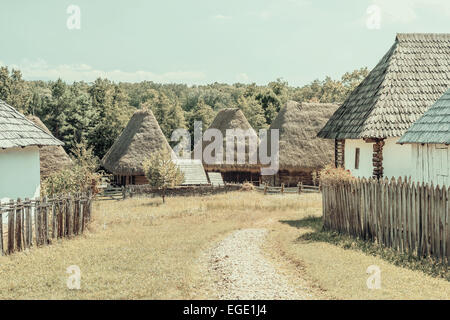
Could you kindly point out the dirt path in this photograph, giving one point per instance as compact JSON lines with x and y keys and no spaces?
{"x":239,"y":270}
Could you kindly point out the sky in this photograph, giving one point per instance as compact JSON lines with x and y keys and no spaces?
{"x":206,"y":41}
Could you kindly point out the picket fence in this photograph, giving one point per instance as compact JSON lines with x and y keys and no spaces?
{"x":37,"y":222}
{"x":409,"y":217}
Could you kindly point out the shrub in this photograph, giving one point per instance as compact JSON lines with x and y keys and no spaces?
{"x":331,"y":175}
{"x":79,"y":177}
{"x":247,"y":186}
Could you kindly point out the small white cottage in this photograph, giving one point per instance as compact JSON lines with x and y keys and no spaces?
{"x":20,"y":140}
{"x":430,"y":138}
{"x":410,"y":77}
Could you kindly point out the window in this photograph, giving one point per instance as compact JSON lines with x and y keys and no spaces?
{"x":357,"y":158}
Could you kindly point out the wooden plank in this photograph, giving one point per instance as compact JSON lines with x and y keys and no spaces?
{"x":11,"y":222}
{"x":2,"y":251}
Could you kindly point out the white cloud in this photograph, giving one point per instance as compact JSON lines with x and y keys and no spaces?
{"x":242,"y":77}
{"x":40,"y":69}
{"x":406,"y":11}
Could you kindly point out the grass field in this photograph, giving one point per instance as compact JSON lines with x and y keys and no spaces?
{"x":141,"y":249}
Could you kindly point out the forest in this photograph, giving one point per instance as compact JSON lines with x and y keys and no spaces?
{"x":96,"y":113}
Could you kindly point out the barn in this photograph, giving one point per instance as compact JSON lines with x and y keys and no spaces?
{"x":20,"y":140}
{"x":410,"y":77}
{"x":430,"y":138}
{"x":52,"y":158}
{"x":141,"y":138}
{"x":227,"y":119}
{"x":301,"y":153}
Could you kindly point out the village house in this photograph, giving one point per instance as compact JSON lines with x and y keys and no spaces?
{"x":430,"y":138}
{"x":227,"y":119}
{"x":138,"y":141}
{"x":411,"y":76}
{"x":52,"y":158}
{"x":20,"y":140}
{"x":301,"y":153}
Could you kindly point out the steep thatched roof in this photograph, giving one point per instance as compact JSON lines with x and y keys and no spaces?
{"x":231,"y":118}
{"x":433,"y":126}
{"x":17,"y":131}
{"x":53,"y":158}
{"x":298,"y":125}
{"x":141,"y":137}
{"x":412,"y":75}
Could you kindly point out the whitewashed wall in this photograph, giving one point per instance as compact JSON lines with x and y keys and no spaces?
{"x":19,"y":173}
{"x":365,"y":157}
{"x":397,"y":159}
{"x":431,"y":163}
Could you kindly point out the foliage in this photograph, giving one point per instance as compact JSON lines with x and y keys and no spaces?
{"x":162,"y":172}
{"x":98,"y":112}
{"x":79,"y":177}
{"x":331,"y":175}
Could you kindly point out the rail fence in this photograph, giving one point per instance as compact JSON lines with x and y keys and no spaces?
{"x":301,"y":188}
{"x":37,"y":222}
{"x":409,"y":217}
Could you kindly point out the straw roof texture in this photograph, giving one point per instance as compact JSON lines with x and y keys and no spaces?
{"x":411,"y":76}
{"x":141,"y":137}
{"x":17,"y":131}
{"x":53,"y":158}
{"x":298,"y":125}
{"x":434,"y":126}
{"x":231,"y":118}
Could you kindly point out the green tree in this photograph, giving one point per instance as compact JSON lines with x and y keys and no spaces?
{"x":162,"y":172}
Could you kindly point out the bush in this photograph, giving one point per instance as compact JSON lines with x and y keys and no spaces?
{"x":331,"y":175}
{"x":247,"y":186}
{"x":79,"y":177}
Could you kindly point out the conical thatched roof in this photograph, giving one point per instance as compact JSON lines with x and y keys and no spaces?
{"x":141,"y":137}
{"x":231,"y":118}
{"x":299,"y":146}
{"x":53,"y":158}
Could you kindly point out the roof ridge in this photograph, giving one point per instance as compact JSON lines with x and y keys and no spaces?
{"x":404,"y":37}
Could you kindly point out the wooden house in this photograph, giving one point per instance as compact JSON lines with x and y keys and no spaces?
{"x":301,"y":153}
{"x":430,"y":139}
{"x":52,"y":158}
{"x":412,"y":75}
{"x":141,"y":138}
{"x":20,"y":140}
{"x":226,"y":119}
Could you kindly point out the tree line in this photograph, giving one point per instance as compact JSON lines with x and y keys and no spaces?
{"x":96,"y":113}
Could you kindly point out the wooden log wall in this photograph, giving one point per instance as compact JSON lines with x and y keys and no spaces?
{"x":339,"y":153}
{"x":411,"y":218}
{"x":39,"y":222}
{"x":377,"y":160}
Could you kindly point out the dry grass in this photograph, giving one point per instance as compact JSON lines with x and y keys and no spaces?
{"x":140,"y":249}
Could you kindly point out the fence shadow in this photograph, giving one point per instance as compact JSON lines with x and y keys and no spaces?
{"x":311,"y":222}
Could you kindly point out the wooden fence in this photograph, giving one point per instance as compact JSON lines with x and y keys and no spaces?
{"x":37,"y":223}
{"x":301,"y":188}
{"x":409,"y":217}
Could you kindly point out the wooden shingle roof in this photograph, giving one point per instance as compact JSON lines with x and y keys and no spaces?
{"x":433,"y":126}
{"x":17,"y":131}
{"x":413,"y":74}
{"x":194,"y":173}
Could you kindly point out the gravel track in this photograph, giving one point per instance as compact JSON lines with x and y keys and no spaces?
{"x":239,"y":270}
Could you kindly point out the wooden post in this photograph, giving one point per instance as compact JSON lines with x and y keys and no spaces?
{"x":54,"y":220}
{"x":377,"y":158}
{"x":124,"y":195}
{"x":11,"y":215}
{"x":282,"y":188}
{"x":45,"y":222}
{"x":1,"y":230}
{"x":300,"y":187}
{"x":265,"y":188}
{"x":37,"y":222}
{"x":18,"y":229}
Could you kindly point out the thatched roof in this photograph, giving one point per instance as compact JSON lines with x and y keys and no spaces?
{"x":412,"y":75}
{"x":17,"y":131}
{"x":231,"y":118}
{"x":53,"y":158}
{"x":298,"y":125}
{"x":433,"y":126}
{"x":141,"y":137}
